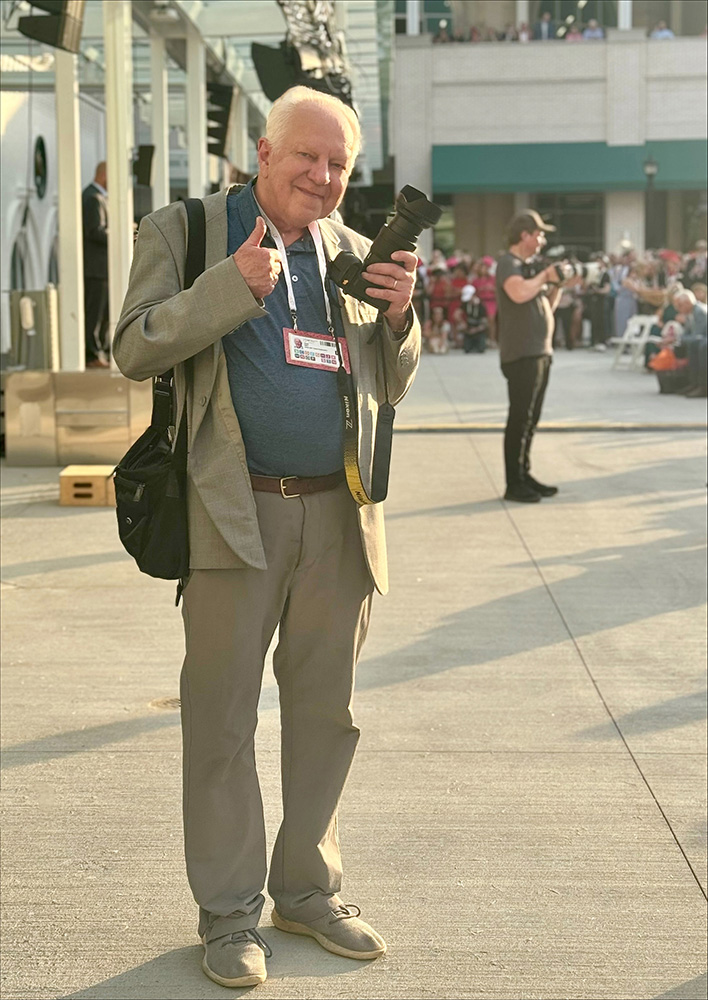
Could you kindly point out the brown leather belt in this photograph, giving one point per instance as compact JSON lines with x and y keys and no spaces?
{"x":290,"y":487}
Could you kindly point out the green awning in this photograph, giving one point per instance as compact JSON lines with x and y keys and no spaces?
{"x":568,"y":166}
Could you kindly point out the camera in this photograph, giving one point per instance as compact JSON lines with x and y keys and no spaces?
{"x":414,"y":213}
{"x":591,"y":272}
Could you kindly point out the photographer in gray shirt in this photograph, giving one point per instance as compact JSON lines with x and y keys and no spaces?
{"x":525,"y":335}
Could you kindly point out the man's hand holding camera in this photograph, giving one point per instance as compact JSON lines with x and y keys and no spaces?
{"x":393,"y":283}
{"x":259,"y":266}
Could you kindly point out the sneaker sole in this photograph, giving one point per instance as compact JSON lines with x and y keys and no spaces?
{"x":253,"y":980}
{"x":291,"y":927}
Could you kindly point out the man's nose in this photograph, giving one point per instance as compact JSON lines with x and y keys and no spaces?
{"x":319,"y":172}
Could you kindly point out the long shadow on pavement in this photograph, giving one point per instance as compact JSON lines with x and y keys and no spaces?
{"x":693,"y":989}
{"x":83,"y":740}
{"x":177,"y":975}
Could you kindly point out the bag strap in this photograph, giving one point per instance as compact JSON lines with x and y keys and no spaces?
{"x":162,"y":395}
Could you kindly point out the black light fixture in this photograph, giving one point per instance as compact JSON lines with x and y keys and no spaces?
{"x":60,"y":25}
{"x":219,"y":100}
{"x":651,"y":169}
{"x":142,"y":165}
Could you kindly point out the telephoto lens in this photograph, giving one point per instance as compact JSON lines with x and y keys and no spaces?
{"x":414,"y":213}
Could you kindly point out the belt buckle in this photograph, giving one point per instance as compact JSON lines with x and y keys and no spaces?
{"x":287,"y":496}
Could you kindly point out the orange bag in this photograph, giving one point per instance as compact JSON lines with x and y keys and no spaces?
{"x":664,"y":361}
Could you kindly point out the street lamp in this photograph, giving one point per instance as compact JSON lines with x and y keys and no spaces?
{"x":651,"y":169}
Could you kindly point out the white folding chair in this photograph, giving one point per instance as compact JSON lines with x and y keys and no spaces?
{"x":630,"y":346}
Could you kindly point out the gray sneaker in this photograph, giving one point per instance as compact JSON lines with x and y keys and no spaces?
{"x":237,"y":959}
{"x":340,"y":931}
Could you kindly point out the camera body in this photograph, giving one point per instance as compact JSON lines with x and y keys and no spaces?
{"x":591,"y":272}
{"x":414,"y":213}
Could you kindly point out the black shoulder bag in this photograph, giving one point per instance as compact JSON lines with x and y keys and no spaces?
{"x":151,"y":478}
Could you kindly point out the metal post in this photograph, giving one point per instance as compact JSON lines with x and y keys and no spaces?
{"x":119,"y":149}
{"x":160,"y":123}
{"x":71,"y":259}
{"x":412,"y":17}
{"x":650,"y":227}
{"x":624,"y":14}
{"x":196,"y":115}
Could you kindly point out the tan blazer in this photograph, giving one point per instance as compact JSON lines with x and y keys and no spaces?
{"x":162,"y":325}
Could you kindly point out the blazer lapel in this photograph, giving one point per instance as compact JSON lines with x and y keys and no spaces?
{"x":350,"y":313}
{"x":217,"y":235}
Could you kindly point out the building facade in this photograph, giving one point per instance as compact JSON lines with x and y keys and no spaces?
{"x":571,"y":129}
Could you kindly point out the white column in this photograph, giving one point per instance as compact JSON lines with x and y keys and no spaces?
{"x":624,"y":219}
{"x":522,"y":200}
{"x":160,"y":123}
{"x":239,"y":131}
{"x":71,"y":261}
{"x":412,"y":126}
{"x":196,"y":115}
{"x":119,"y":149}
{"x":522,"y":12}
{"x":413,"y":13}
{"x":624,"y":14}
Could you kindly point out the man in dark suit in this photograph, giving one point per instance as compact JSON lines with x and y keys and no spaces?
{"x":94,"y":208}
{"x":545,"y":29}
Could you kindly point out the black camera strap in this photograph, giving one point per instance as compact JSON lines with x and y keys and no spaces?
{"x":381,"y":462}
{"x":345,"y":383}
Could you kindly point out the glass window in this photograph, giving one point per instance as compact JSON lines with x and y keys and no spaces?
{"x":18,"y":279}
{"x":579,"y":219}
{"x":53,"y":273}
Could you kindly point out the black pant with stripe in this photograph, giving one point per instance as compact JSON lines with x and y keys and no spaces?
{"x":527,"y":380}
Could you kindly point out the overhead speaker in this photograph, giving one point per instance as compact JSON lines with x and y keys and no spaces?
{"x":60,"y":26}
{"x":278,"y":69}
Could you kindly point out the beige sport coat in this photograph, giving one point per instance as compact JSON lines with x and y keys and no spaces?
{"x":162,"y":325}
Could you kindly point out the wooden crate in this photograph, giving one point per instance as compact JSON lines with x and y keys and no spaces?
{"x":87,"y":486}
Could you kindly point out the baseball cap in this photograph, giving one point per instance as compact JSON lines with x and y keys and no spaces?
{"x":529,"y":221}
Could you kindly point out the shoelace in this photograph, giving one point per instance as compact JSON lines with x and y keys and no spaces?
{"x":342,"y":912}
{"x":238,"y":937}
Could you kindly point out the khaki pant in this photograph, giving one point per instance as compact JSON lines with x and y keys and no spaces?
{"x":318,"y":590}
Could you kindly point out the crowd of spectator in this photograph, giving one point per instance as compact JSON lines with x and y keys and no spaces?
{"x":546,"y":29}
{"x":456,"y":300}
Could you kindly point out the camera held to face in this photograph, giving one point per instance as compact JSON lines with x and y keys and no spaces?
{"x":414,"y":213}
{"x":590,"y":272}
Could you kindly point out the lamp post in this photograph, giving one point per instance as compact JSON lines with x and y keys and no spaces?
{"x":651,"y":169}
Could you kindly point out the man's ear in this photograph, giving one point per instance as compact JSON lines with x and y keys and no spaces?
{"x":264,"y":154}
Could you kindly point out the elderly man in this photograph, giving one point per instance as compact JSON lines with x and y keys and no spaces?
{"x":693,"y":316}
{"x":276,"y":539}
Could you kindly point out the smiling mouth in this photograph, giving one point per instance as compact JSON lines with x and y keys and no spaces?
{"x":311,"y":194}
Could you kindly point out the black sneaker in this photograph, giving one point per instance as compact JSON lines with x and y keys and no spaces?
{"x":522,"y":493}
{"x":545,"y":491}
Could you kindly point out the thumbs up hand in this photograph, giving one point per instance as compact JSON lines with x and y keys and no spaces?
{"x":259,"y":266}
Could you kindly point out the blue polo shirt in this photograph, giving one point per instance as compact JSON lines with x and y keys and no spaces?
{"x":290,"y":416}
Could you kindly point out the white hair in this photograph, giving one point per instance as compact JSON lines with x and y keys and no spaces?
{"x":686,"y":293}
{"x":279,"y":116}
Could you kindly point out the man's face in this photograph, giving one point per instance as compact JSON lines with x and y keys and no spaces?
{"x":307,"y":172}
{"x":532,"y":243}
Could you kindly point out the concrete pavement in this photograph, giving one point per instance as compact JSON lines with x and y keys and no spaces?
{"x":526,"y":812}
